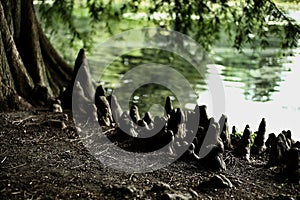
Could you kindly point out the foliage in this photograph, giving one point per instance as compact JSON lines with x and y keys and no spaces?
{"x":253,"y":136}
{"x":244,"y":21}
{"x":291,"y":1}
{"x":235,"y":137}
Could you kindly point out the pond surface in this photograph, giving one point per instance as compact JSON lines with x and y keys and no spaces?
{"x":256,"y":85}
{"x":270,"y":91}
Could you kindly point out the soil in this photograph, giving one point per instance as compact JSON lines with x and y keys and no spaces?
{"x":41,"y":161}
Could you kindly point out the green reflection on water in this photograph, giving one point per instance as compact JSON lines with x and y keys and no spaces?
{"x":148,"y":94}
{"x":258,"y":73}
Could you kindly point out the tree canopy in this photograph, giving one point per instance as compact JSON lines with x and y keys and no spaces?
{"x":245,"y":22}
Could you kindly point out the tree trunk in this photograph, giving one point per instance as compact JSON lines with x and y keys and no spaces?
{"x":27,"y":57}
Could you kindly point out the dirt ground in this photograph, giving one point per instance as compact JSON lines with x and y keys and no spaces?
{"x":40,"y":161}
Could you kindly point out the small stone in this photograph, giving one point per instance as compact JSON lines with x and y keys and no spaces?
{"x":176,"y":196}
{"x":285,"y":197}
{"x":133,"y":178}
{"x":132,"y":132}
{"x":125,"y":191}
{"x":161,"y":187}
{"x":55,"y":106}
{"x":217,"y":181}
{"x":65,"y":117}
{"x":193,"y":192}
{"x":55,"y":124}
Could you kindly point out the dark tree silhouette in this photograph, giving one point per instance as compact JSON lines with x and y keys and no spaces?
{"x":27,"y":57}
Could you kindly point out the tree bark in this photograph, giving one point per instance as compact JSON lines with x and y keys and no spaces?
{"x":27,"y":57}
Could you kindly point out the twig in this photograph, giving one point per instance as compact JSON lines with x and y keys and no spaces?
{"x":31,"y":124}
{"x":84,"y":138}
{"x":99,"y":153}
{"x":33,"y":140}
{"x":108,"y":130}
{"x":130,"y":178}
{"x":39,"y":170}
{"x":17,"y":192}
{"x":86,"y":123}
{"x":19,"y":166}
{"x":171,"y":179}
{"x":77,"y":166}
{"x":107,"y":156}
{"x":18,"y":122}
{"x":4,"y":159}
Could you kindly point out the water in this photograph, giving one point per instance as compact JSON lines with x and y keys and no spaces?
{"x":270,"y":92}
{"x":256,"y":84}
